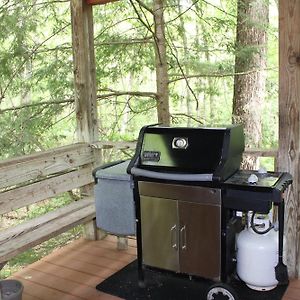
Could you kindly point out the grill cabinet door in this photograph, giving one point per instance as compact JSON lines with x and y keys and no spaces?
{"x":195,"y":213}
{"x":200,"y":239}
{"x":159,"y":220}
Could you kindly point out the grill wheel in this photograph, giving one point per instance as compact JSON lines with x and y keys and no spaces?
{"x":221,"y":291}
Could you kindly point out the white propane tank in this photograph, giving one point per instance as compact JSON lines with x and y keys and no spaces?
{"x":257,"y":256}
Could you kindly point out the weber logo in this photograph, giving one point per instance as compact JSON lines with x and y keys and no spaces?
{"x":151,"y":156}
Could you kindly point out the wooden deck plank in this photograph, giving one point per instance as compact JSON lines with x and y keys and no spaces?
{"x":72,"y":272}
{"x":87,"y":268}
{"x":69,"y":273}
{"x":291,"y":294}
{"x":42,"y":292}
{"x":95,"y":265}
{"x":114,"y":254}
{"x":295,"y":284}
{"x":293,"y":291}
{"x":67,"y":286}
{"x":29,"y":297}
{"x":66,"y":273}
{"x":87,"y":250}
{"x":75,"y":258}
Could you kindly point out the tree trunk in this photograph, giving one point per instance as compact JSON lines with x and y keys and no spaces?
{"x":126,"y":109}
{"x":202,"y":35}
{"x":211,"y":82}
{"x":250,"y":65}
{"x":162,"y":78}
{"x":187,"y":93}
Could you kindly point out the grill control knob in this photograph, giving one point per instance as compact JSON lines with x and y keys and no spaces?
{"x":252,"y":179}
{"x":180,"y":143}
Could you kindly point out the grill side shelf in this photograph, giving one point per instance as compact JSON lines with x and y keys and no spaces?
{"x":255,"y":197}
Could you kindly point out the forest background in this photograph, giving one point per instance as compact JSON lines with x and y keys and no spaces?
{"x":221,"y":60}
{"x":36,"y":71}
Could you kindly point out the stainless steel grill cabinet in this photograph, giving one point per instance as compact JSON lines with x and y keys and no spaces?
{"x":187,"y":189}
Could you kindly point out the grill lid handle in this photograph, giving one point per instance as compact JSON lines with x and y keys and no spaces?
{"x":171,"y":176}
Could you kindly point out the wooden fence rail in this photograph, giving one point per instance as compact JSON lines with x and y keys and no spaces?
{"x":40,"y":176}
{"x":104,"y":145}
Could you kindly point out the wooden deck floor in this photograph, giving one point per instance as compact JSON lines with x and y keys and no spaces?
{"x":71,"y":273}
{"x":293,"y":291}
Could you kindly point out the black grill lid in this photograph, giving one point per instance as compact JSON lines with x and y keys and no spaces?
{"x":194,"y":154}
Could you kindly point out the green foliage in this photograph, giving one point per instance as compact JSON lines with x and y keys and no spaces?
{"x":36,"y":66}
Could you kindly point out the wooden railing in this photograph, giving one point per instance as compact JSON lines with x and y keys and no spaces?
{"x":32,"y":178}
{"x":263,"y":153}
{"x":123,"y":146}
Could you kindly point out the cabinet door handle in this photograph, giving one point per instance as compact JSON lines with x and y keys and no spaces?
{"x":174,"y":237}
{"x":183,"y":237}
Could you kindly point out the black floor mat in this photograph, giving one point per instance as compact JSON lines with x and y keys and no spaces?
{"x":161,"y":285}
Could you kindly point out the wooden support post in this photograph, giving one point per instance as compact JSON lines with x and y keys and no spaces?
{"x":84,"y":71}
{"x":85,"y":80}
{"x":289,"y":122}
{"x":101,"y":234}
{"x":90,"y":230}
{"x":122,"y":243}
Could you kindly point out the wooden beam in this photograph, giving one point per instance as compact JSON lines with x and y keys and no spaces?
{"x":132,"y":145}
{"x":37,"y":222}
{"x":289,"y":124}
{"x":35,"y":167}
{"x":84,"y":75}
{"x":84,"y":71}
{"x":48,"y":188}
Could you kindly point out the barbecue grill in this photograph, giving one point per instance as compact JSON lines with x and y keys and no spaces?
{"x":189,"y":196}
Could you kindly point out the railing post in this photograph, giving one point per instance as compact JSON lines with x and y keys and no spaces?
{"x":85,"y":83}
{"x":84,"y":71}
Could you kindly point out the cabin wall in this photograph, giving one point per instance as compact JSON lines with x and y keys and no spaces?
{"x":289,"y":126}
